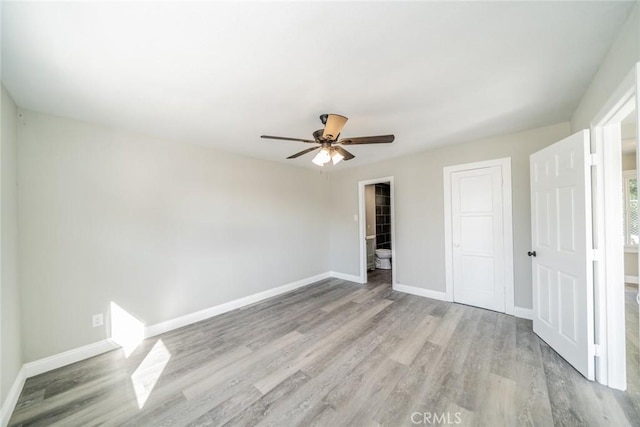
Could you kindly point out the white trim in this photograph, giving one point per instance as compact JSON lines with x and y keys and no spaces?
{"x":11,"y":400}
{"x":188,"y":319}
{"x":599,"y":263}
{"x":608,"y":289}
{"x":523,"y":313}
{"x":59,"y":360}
{"x":421,"y":292}
{"x":448,"y":242}
{"x":362,"y":225}
{"x":613,"y":246}
{"x":505,"y":165}
{"x":348,"y":277}
{"x":631,"y":279}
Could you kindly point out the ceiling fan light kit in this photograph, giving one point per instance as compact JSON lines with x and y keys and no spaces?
{"x":336,"y":157}
{"x":322,"y":157}
{"x":328,"y":143}
{"x":326,"y":155}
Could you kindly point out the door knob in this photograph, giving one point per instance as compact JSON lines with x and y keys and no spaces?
{"x":533,"y":254}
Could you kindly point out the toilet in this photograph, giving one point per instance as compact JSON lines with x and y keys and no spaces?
{"x":383,"y":259}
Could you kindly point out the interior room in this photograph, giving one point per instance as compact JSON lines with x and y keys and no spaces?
{"x":309,"y":213}
{"x":378,"y":231}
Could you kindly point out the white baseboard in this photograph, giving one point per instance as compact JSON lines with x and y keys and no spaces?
{"x":47,"y":364}
{"x":524,"y":313}
{"x":349,"y":277}
{"x":631,"y":279}
{"x":59,"y":360}
{"x":422,"y":292}
{"x":10,"y":401}
{"x":188,"y":319}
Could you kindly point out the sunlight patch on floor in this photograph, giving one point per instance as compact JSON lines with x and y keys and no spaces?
{"x":148,"y":373}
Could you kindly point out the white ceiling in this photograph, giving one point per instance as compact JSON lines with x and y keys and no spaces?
{"x":223,"y":73}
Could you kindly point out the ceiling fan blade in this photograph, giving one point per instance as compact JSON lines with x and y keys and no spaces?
{"x":308,"y":150}
{"x":284,"y":138}
{"x":335,"y":123}
{"x":347,"y":155}
{"x":380,"y":139}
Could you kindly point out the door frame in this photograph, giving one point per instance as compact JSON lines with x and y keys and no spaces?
{"x":505,"y":165}
{"x":608,"y":244}
{"x":362,"y":227}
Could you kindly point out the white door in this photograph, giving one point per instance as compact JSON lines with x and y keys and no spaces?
{"x":561,"y":234}
{"x":478,"y":238}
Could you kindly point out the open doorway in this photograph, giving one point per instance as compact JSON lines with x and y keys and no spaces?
{"x":631,"y":227}
{"x":377,"y":231}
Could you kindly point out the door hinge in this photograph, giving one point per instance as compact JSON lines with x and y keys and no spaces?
{"x":595,"y":350}
{"x":595,"y":254}
{"x":593,"y":159}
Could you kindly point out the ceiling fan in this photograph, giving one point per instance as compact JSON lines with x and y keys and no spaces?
{"x":327,"y":139}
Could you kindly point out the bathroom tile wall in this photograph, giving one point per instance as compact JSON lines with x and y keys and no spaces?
{"x":383,"y":216}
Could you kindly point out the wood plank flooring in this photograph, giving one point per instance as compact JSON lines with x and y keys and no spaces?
{"x":330,"y":354}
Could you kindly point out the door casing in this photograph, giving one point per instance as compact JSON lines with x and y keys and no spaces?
{"x":608,"y":241}
{"x":362,"y":225}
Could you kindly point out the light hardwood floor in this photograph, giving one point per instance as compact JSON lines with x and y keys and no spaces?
{"x":332,"y":353}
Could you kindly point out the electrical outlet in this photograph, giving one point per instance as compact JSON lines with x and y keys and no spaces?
{"x":97,"y":320}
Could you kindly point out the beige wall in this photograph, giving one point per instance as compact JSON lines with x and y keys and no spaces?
{"x":419,"y":207}
{"x":10,"y":331}
{"x":160,"y":228}
{"x":631,"y":264}
{"x":628,"y":162}
{"x":370,"y":208}
{"x":622,"y":56}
